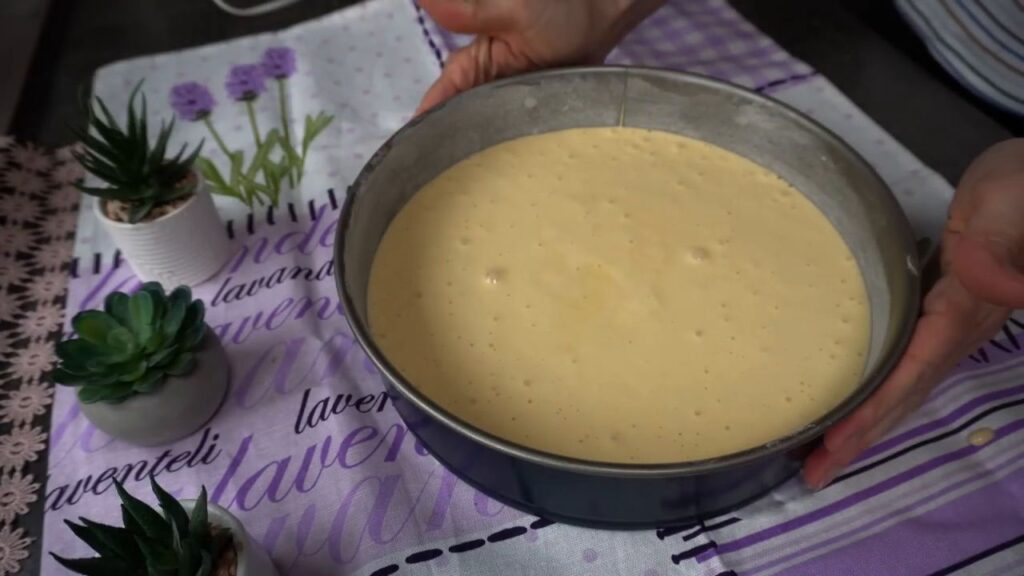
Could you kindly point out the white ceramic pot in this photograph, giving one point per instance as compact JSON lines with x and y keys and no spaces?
{"x":179,"y":407}
{"x":252,"y":558}
{"x":186,"y":246}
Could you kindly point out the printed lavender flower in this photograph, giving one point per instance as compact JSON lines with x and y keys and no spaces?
{"x":278,"y":62}
{"x":192,"y":101}
{"x":245,"y":82}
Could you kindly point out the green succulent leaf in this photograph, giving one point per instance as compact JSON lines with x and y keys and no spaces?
{"x":91,"y":539}
{"x":116,"y":305}
{"x":206,"y":565}
{"x":100,"y":379}
{"x":156,"y":344}
{"x":99,"y":566}
{"x":139,"y":210}
{"x":108,"y":125}
{"x":120,"y":342}
{"x":133,"y":344}
{"x":155,"y":289}
{"x":194,"y":316}
{"x":173,"y":510}
{"x":94,"y":325}
{"x":194,"y":336}
{"x":63,"y":377}
{"x":148,"y":383}
{"x":132,"y":370}
{"x":116,"y":392}
{"x":188,"y":559}
{"x":160,"y":148}
{"x":199,"y":523}
{"x":103,"y":193}
{"x":181,"y":365}
{"x":175,"y":314}
{"x":76,"y":353}
{"x":152,"y":523}
{"x":117,"y":541}
{"x":149,"y":544}
{"x":141,"y":308}
{"x":163,"y":357}
{"x":129,"y":521}
{"x":160,"y":559}
{"x":138,"y":172}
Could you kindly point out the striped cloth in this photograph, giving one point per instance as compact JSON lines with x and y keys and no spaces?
{"x":979,"y":42}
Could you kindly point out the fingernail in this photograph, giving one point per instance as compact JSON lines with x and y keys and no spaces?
{"x":825,"y":481}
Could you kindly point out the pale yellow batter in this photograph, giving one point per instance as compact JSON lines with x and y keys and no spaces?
{"x":620,"y":295}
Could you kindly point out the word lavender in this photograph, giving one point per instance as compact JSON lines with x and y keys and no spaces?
{"x":310,"y":417}
{"x":205,"y":452}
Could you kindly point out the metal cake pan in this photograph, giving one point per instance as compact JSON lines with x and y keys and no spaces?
{"x":599,"y":494}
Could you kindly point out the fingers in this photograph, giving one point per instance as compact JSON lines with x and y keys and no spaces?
{"x":953,"y":324}
{"x":464,"y":69}
{"x":823,"y":465}
{"x":985,"y":232}
{"x":988,"y":269}
{"x":484,"y":60}
{"x":987,"y":241}
{"x":442,"y":89}
{"x":472,"y":16}
{"x":869,"y":422}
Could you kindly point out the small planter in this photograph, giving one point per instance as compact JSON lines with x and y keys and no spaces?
{"x":192,"y":537}
{"x":250,"y":558}
{"x":186,"y":246}
{"x":179,"y":407}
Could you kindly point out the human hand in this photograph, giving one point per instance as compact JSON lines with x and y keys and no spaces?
{"x":516,"y":36}
{"x":982,"y":280}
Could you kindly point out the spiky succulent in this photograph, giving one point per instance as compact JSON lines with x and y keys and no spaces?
{"x":137,"y":175}
{"x":132,"y":345}
{"x":174,"y":543}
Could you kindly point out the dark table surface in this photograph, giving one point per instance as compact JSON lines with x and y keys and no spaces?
{"x":862,"y":47}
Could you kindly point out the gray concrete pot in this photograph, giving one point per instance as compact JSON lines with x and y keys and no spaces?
{"x":252,"y":559}
{"x":179,"y":407}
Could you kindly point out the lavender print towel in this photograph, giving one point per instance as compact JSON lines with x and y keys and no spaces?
{"x":307,"y":449}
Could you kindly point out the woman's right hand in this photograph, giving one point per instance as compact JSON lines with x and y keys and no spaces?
{"x":517,"y":36}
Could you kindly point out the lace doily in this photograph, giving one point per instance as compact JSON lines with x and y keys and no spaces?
{"x":38,"y":207}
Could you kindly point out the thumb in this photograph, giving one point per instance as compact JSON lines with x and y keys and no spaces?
{"x":485,"y":59}
{"x":987,"y":255}
{"x":460,"y":73}
{"x":472,"y":16}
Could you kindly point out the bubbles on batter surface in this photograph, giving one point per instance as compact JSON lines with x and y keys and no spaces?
{"x":698,"y":255}
{"x":495,"y":275}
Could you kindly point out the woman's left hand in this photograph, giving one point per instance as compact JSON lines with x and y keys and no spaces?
{"x":982,"y":280}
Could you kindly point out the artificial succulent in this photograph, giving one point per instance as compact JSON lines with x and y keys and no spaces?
{"x":132,"y":345}
{"x":137,"y":174}
{"x":173,"y":543}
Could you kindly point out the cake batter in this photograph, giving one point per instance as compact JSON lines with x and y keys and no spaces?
{"x":620,"y":295}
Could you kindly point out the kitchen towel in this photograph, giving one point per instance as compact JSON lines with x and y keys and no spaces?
{"x":307,"y":449}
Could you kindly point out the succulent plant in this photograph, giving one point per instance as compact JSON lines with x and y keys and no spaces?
{"x":137,"y":175}
{"x":132,"y":345}
{"x":174,"y":543}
